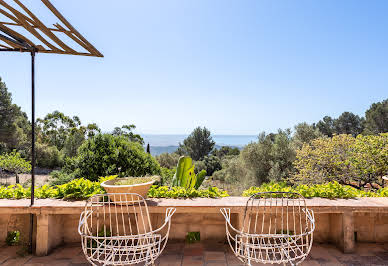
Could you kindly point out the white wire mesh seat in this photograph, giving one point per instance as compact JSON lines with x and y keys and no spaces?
{"x":276,"y":227}
{"x":116,"y":229}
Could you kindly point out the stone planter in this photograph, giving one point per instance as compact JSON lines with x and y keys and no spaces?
{"x":141,"y":189}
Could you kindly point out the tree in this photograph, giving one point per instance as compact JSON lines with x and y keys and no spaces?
{"x":55,"y":128}
{"x":64,"y":132}
{"x":370,"y":158}
{"x":126,"y":131}
{"x":209,"y":163}
{"x":168,"y":160}
{"x":105,"y":154}
{"x":198,"y":144}
{"x":14,"y":125}
{"x":343,"y":158}
{"x":226,"y":151}
{"x":305,"y":133}
{"x":325,"y":160}
{"x":14,"y":163}
{"x":376,"y":118}
{"x":326,"y":126}
{"x":73,"y":141}
{"x":349,"y":123}
{"x":269,"y":159}
{"x":148,"y":148}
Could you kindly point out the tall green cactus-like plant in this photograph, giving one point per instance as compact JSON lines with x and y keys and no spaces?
{"x":185,"y":175}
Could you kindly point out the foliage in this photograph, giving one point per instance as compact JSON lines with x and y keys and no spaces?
{"x":305,"y":133}
{"x":329,"y":190}
{"x":14,"y":163}
{"x":343,"y":158}
{"x":185,"y":175}
{"x":325,"y":160}
{"x":370,"y":158}
{"x":326,"y":126}
{"x":14,"y":125}
{"x":55,"y":127}
{"x":83,"y":189}
{"x":13,"y":238}
{"x":198,"y":144}
{"x":167,"y":176}
{"x":47,"y":156}
{"x":79,"y":189}
{"x":60,"y":177}
{"x":226,"y":151}
{"x":233,"y":171}
{"x":270,"y":158}
{"x":168,"y":160}
{"x":376,"y":118}
{"x":349,"y":123}
{"x":105,"y":154}
{"x":193,"y":237}
{"x":135,"y":180}
{"x":180,"y":192}
{"x":126,"y":131}
{"x":64,"y":132}
{"x":73,"y":141}
{"x":210,"y":164}
{"x":346,"y":123}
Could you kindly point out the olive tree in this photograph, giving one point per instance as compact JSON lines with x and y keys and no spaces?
{"x":14,"y":163}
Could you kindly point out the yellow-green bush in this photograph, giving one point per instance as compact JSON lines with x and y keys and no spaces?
{"x":329,"y":190}
{"x":181,"y":192}
{"x":83,"y":189}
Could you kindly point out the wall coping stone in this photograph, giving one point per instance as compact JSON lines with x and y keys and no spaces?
{"x":196,"y":205}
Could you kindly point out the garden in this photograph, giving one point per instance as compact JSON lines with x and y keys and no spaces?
{"x":344,"y":157}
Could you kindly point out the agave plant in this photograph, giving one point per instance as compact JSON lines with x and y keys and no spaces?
{"x":185,"y":175}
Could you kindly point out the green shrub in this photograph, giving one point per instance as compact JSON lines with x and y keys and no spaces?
{"x":13,"y":238}
{"x":329,"y":190}
{"x":168,"y":160}
{"x":210,"y":164}
{"x":180,"y":192}
{"x":104,"y":155}
{"x":166,"y":175}
{"x":60,"y":178}
{"x":47,"y":156}
{"x":79,"y":189}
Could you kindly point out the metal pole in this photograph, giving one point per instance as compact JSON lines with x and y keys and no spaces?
{"x":32,"y":127}
{"x":32,"y":145}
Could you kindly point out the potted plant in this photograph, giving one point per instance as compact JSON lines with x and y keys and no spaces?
{"x":138,"y":185}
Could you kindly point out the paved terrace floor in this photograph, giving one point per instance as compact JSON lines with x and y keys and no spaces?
{"x":207,"y":253}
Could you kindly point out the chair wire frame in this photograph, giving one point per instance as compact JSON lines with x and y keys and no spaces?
{"x":276,"y":228}
{"x":116,"y":229}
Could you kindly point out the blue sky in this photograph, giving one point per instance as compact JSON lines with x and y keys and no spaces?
{"x":236,"y":67}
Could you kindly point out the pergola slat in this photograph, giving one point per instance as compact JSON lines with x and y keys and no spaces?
{"x":26,"y":19}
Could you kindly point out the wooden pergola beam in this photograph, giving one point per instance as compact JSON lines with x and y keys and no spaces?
{"x":23,"y":18}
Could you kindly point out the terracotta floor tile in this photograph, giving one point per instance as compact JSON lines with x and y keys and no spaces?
{"x":204,"y":254}
{"x":214,"y":256}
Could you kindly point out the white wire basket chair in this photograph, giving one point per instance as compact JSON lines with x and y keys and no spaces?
{"x":276,"y":228}
{"x":116,"y":229}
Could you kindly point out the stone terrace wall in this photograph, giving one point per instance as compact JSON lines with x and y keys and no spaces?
{"x":341,"y":222}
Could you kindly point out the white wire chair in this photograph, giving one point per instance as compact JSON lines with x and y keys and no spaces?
{"x":277,"y":228}
{"x":116,"y":229}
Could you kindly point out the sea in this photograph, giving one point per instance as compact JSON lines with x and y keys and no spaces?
{"x":169,"y":143}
